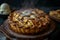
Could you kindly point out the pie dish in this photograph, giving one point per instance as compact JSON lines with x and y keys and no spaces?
{"x":40,"y":31}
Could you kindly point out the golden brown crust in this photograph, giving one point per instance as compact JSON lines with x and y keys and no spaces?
{"x":22,"y":22}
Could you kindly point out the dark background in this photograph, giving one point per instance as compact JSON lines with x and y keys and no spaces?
{"x":45,"y":5}
{"x":48,"y":3}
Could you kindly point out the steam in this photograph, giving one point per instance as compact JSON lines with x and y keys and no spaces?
{"x":29,"y":3}
{"x":26,"y":12}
